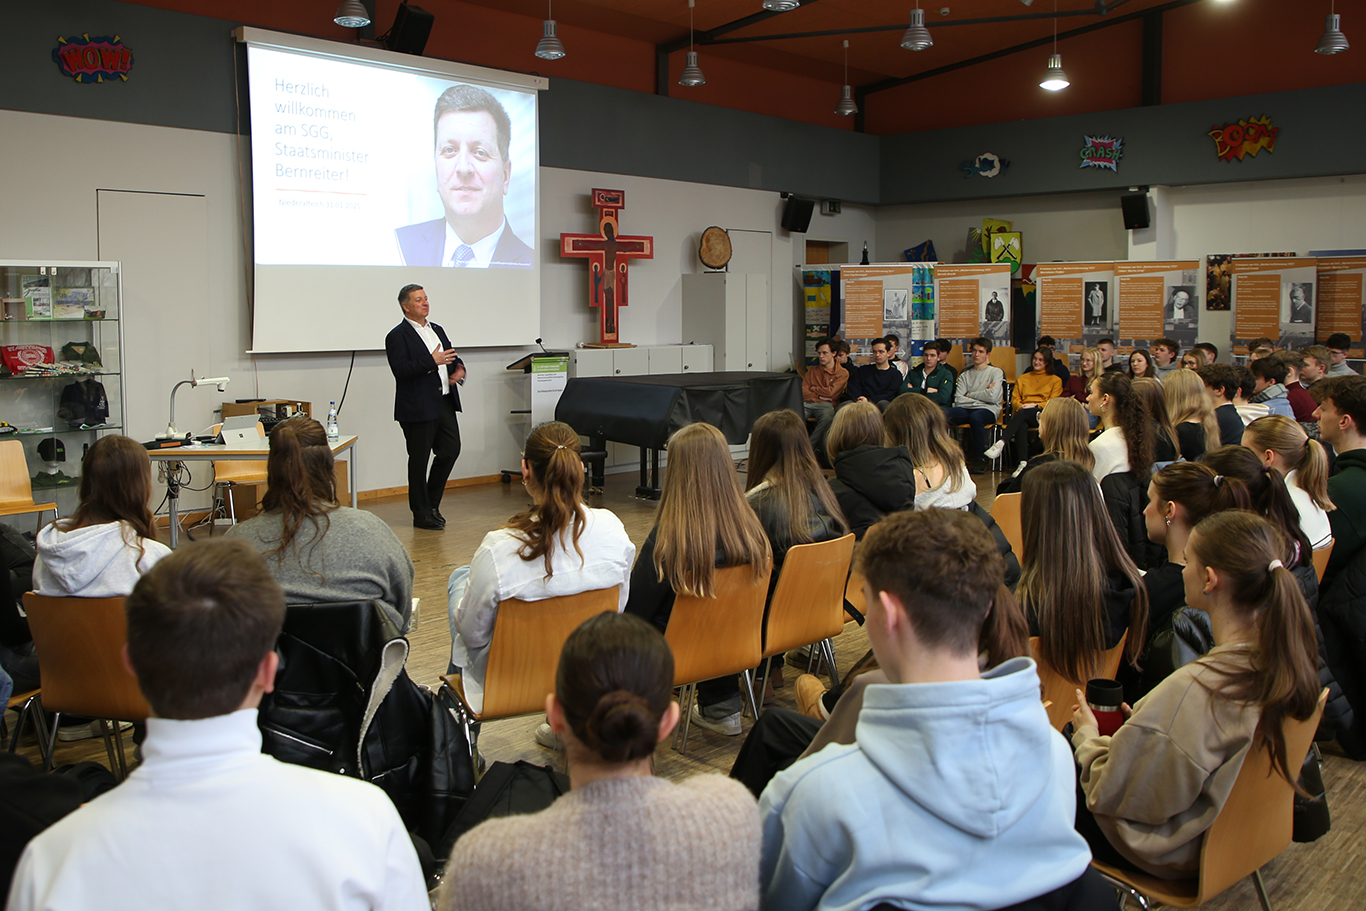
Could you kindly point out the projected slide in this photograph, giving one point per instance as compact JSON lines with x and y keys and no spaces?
{"x":372,"y":171}
{"x":361,"y":165}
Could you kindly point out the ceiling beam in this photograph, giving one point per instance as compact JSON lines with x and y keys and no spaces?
{"x":749,"y":39}
{"x":1152,"y":60}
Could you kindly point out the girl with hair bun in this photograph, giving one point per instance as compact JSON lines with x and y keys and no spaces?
{"x":1125,"y":442}
{"x":617,"y":840}
{"x":1154,"y":787}
{"x":317,"y":549}
{"x":1271,"y":499}
{"x":1283,"y":445}
{"x":554,"y":547}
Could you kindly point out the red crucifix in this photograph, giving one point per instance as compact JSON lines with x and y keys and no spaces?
{"x":608,"y":253}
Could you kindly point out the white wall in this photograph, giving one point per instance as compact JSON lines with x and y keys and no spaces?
{"x":1081,"y":227}
{"x":52,"y":167}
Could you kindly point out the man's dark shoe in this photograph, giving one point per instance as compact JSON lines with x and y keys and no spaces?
{"x":436,"y":514}
{"x":428,"y":521}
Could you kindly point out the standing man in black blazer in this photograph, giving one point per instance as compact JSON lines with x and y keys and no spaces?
{"x":426,"y":370}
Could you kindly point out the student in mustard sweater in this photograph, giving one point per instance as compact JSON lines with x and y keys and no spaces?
{"x":1032,"y":391}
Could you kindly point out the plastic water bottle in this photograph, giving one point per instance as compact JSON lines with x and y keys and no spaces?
{"x":333,"y":435}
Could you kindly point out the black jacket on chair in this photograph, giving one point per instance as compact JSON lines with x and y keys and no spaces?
{"x":1342,"y":624}
{"x":417,"y":384}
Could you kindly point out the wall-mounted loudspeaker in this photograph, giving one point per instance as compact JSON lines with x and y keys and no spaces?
{"x":412,"y":26}
{"x":797,"y":214}
{"x":1135,"y":208}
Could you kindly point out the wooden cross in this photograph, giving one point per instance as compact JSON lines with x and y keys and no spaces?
{"x":608,"y":253}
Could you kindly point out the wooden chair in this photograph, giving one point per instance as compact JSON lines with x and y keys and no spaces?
{"x":525,"y":653}
{"x":1253,"y":827}
{"x":1005,"y":357}
{"x":230,"y":473}
{"x":16,"y":489}
{"x":712,"y":637}
{"x":79,"y":642}
{"x":807,"y":606}
{"x":1060,"y":692}
{"x":1005,"y":509}
{"x":1321,"y":557}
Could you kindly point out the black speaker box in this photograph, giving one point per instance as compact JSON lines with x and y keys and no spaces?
{"x":797,"y":214}
{"x":412,"y":27}
{"x":1135,"y":208}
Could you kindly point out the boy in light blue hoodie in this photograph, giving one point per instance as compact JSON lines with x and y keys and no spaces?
{"x":957,"y":793}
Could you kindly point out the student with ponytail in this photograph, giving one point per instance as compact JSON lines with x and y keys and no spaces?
{"x":557,"y":546}
{"x":1271,"y":499}
{"x":1151,"y":790}
{"x":616,"y":841}
{"x":316,"y":549}
{"x":1125,"y":443}
{"x":1283,"y":445}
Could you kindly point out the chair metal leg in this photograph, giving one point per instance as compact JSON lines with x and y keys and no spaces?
{"x":51,"y":742}
{"x":115,"y":761}
{"x":1124,"y":888}
{"x":748,"y":677}
{"x":828,"y":651}
{"x":686,"y":699}
{"x":1261,"y":890}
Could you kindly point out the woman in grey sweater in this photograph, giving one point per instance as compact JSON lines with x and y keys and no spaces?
{"x":320,"y":551}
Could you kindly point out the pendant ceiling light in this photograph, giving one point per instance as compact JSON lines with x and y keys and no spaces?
{"x":352,"y":14}
{"x":781,"y":6}
{"x":916,"y":36}
{"x":1333,"y":40}
{"x":846,"y":104}
{"x":692,"y":73}
{"x":549,"y":47}
{"x":1054,"y":79}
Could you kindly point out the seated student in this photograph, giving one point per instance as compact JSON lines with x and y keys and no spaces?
{"x":1191,"y":412}
{"x":1221,"y":383}
{"x":1192,"y":360}
{"x":1033,"y":390}
{"x":823,"y":386}
{"x":941,"y":476}
{"x":1342,"y":424}
{"x":617,"y":839}
{"x":1166,"y":357}
{"x":1057,"y":365}
{"x":1283,"y":445}
{"x":977,"y":400}
{"x":1125,"y":443}
{"x":1258,"y":343}
{"x":1065,"y":431}
{"x":1296,"y":391}
{"x":877,"y":382}
{"x":1154,"y":787}
{"x":945,"y":348}
{"x":1269,"y":498}
{"x":842,"y":352}
{"x":894,"y":354}
{"x":1106,"y":347}
{"x":704,"y":523}
{"x":104,"y":547}
{"x":319,"y":550}
{"x":1006,"y":802}
{"x":1166,"y":442}
{"x":786,"y":489}
{"x":1179,"y":496}
{"x":871,"y":478}
{"x":1269,"y":375}
{"x":207,"y":820}
{"x":1316,"y":361}
{"x":1245,"y":388}
{"x":1083,"y":611}
{"x":1141,"y":365}
{"x":934,"y":378}
{"x":1337,"y":346}
{"x":1208,"y":352}
{"x":555,"y":547}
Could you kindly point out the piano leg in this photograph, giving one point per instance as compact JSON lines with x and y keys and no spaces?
{"x":649,"y":483}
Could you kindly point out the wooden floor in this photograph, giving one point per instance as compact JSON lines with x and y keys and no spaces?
{"x":1323,"y":875}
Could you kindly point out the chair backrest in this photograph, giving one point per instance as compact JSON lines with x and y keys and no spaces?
{"x":79,"y":642}
{"x":240,"y":471}
{"x":525,"y":652}
{"x":955,"y":358}
{"x":711,"y":637}
{"x":1321,"y":558}
{"x":1005,"y":509}
{"x":15,"y":486}
{"x":1256,"y":822}
{"x":1060,"y":691}
{"x":808,"y":603}
{"x":1003,"y":356}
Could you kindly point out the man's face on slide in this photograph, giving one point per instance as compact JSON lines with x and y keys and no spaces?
{"x":471,"y":176}
{"x":417,"y":307}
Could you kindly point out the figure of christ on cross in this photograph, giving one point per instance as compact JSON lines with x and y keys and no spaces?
{"x":608,"y":255}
